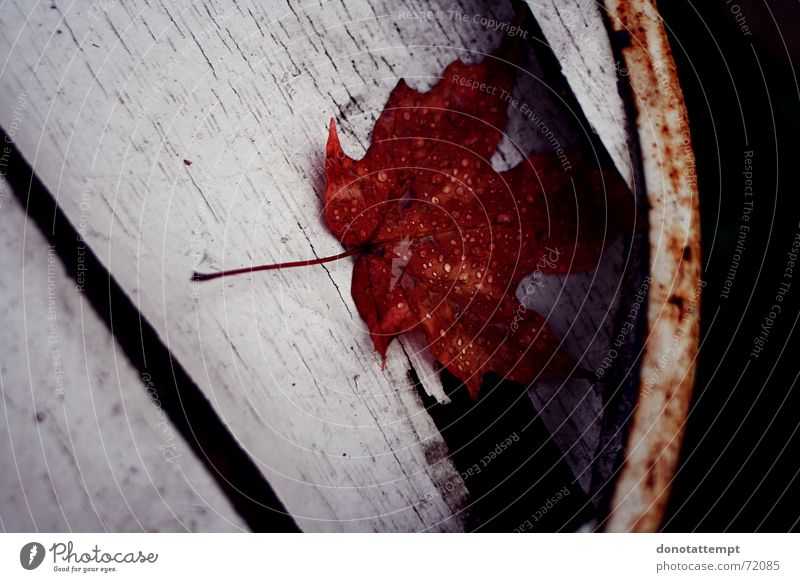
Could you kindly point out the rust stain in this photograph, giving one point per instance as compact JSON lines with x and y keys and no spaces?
{"x":667,"y":372}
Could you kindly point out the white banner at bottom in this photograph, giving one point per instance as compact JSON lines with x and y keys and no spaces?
{"x":378,"y":557}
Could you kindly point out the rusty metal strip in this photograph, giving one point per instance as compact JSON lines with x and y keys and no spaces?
{"x":670,"y":182}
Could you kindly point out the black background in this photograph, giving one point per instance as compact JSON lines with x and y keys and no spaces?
{"x":740,"y":460}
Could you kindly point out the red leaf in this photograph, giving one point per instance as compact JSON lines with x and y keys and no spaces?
{"x":442,"y":241}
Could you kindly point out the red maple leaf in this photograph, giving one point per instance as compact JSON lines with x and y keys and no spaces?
{"x":444,"y":240}
{"x":441,"y":240}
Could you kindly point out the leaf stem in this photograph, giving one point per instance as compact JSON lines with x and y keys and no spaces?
{"x":318,"y":261}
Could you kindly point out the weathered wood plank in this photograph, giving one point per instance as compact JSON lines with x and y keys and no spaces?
{"x":83,"y":445}
{"x":576,"y":32}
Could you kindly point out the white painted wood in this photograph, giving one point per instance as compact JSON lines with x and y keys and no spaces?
{"x":83,"y":447}
{"x":116,"y":95}
{"x":577,"y":34}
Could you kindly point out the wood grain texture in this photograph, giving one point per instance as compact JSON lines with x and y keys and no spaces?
{"x":84,"y":446}
{"x":188,"y":136}
{"x":579,"y":38}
